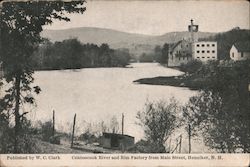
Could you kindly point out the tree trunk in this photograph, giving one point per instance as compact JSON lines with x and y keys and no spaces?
{"x":17,"y":115}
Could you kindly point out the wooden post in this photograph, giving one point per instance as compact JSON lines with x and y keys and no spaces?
{"x":73,"y":131}
{"x":189,"y":138}
{"x":122,"y":123}
{"x":180,"y":144}
{"x":53,"y":123}
{"x":170,"y":144}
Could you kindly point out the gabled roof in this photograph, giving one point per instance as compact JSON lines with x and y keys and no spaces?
{"x":243,"y":46}
{"x":174,"y":45}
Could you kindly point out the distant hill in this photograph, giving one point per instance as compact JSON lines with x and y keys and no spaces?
{"x":137,"y":43}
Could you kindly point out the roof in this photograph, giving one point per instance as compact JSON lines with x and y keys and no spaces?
{"x":243,"y":46}
{"x":115,"y":134}
{"x":174,"y":45}
{"x":206,"y":42}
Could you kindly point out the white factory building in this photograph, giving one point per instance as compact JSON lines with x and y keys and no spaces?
{"x":204,"y":50}
{"x":185,"y":51}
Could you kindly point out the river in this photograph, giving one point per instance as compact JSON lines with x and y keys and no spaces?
{"x":98,"y":94}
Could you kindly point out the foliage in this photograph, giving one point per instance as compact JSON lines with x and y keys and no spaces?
{"x":72,"y":54}
{"x":161,"y":53}
{"x":158,"y":53}
{"x":7,"y":136}
{"x":191,"y":67}
{"x":164,"y":58}
{"x":46,"y":130}
{"x":88,"y":137}
{"x":20,"y":27}
{"x":222,"y":110}
{"x":114,"y":125}
{"x":143,"y":146}
{"x":159,"y":120}
{"x":146,"y":57}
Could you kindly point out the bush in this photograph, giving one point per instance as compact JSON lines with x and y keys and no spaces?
{"x":26,"y":142}
{"x":143,"y":146}
{"x":191,"y":67}
{"x":88,"y":137}
{"x":46,"y":131}
{"x":159,"y":120}
{"x":55,"y":139}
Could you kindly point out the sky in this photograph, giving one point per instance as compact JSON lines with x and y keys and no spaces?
{"x":159,"y":17}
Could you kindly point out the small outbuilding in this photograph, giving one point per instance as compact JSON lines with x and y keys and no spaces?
{"x":240,"y":51}
{"x":117,"y":141}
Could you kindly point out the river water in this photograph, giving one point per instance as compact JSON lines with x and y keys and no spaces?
{"x":98,"y":94}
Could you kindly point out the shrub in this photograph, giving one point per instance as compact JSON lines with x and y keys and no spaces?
{"x":159,"y":120}
{"x":46,"y":130}
{"x":26,"y":142}
{"x":143,"y":146}
{"x":191,"y":67}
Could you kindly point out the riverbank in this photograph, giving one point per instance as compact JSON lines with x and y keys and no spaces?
{"x":189,"y":81}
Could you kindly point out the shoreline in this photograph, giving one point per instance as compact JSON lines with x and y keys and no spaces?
{"x":189,"y":82}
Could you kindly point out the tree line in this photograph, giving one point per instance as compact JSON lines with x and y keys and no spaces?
{"x":159,"y":54}
{"x":72,"y":54}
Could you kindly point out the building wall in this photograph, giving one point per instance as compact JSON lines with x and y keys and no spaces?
{"x":237,"y":56}
{"x":174,"y":62}
{"x":181,"y":54}
{"x":204,"y":51}
{"x":124,"y":142}
{"x":234,"y":53}
{"x":127,"y":142}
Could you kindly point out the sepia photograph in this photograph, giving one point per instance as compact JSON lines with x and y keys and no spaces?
{"x":134,"y":78}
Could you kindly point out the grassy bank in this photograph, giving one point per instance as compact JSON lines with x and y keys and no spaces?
{"x":191,"y":82}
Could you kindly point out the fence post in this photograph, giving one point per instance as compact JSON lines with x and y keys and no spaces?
{"x":170,"y":144}
{"x":53,"y":121}
{"x":180,"y":144}
{"x":122,"y":124}
{"x":73,"y":131}
{"x":189,"y":138}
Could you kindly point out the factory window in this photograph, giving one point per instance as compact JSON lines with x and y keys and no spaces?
{"x":208,"y":57}
{"x":203,"y":51}
{"x":242,"y":54}
{"x":202,"y":45}
{"x":208,"y":51}
{"x":213,"y":57}
{"x":198,"y":51}
{"x":208,"y":45}
{"x":198,"y":45}
{"x":213,"y":51}
{"x":198,"y":57}
{"x":213,"y":44}
{"x":203,"y":57}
